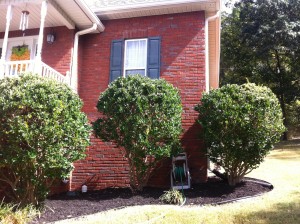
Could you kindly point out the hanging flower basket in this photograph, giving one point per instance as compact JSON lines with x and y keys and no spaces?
{"x":20,"y":53}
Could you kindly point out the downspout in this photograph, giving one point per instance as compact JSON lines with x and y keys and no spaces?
{"x":74,"y":60}
{"x":207,"y":49}
{"x":74,"y":71}
{"x":207,"y":60}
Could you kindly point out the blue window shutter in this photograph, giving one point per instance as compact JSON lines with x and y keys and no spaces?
{"x":116,"y":59}
{"x":153,"y":57}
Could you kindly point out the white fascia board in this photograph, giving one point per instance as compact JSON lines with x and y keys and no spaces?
{"x":62,"y":15}
{"x":91,"y":15}
{"x":151,"y":5}
{"x":16,"y":2}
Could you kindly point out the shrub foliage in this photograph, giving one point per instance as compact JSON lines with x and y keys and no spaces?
{"x":42,"y":131}
{"x":240,"y":124}
{"x":172,"y":196}
{"x":144,"y":117}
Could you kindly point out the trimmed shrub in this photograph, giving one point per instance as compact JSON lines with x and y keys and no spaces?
{"x":42,"y":131}
{"x":143,"y":116}
{"x":240,"y":124}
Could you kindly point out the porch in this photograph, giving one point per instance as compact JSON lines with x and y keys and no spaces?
{"x":16,"y":68}
{"x":29,"y":22}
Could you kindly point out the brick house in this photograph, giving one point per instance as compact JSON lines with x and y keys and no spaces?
{"x":87,"y":44}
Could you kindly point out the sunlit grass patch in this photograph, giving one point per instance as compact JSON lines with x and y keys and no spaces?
{"x":12,"y":214}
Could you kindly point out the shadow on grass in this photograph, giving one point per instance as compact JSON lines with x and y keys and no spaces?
{"x":281,"y":212}
{"x":286,"y":150}
{"x":291,"y":144}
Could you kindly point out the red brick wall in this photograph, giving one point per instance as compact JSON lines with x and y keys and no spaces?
{"x":56,"y":55}
{"x":182,"y":64}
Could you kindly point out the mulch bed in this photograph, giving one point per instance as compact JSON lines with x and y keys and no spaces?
{"x":215,"y":191}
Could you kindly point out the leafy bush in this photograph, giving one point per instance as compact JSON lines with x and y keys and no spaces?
{"x":42,"y":131}
{"x":240,"y":124}
{"x":144,"y":117}
{"x":172,"y":197}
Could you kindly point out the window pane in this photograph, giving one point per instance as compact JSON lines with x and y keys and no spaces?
{"x":135,"y":72}
{"x":136,"y":54}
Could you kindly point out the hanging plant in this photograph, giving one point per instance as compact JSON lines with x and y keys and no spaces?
{"x":20,"y":53}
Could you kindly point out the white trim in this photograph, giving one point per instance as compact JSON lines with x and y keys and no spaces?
{"x":91,"y":15}
{"x":125,"y":50}
{"x":15,"y":2}
{"x":32,"y":42}
{"x":151,"y":5}
{"x":9,"y":15}
{"x":44,"y":7}
{"x":21,"y":38}
{"x":61,"y":14}
{"x":207,"y":74}
{"x":74,"y":58}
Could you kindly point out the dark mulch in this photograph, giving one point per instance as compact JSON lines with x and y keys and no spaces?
{"x":215,"y":191}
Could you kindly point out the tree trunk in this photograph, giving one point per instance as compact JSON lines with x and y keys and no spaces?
{"x":234,"y":179}
{"x":283,"y":107}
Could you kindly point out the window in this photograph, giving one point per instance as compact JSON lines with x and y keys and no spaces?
{"x":135,"y":59}
{"x":0,"y":52}
{"x":135,"y":56}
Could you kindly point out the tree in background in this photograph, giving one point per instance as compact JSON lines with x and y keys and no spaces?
{"x":261,"y":43}
{"x":42,"y":132}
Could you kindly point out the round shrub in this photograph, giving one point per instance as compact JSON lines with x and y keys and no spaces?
{"x":143,"y":116}
{"x":42,"y":131}
{"x":240,"y":124}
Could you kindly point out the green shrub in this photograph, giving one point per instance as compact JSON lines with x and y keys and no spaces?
{"x":240,"y":124}
{"x":42,"y":131}
{"x":174,"y":197}
{"x":144,"y":117}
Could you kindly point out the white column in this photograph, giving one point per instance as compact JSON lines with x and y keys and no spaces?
{"x":41,"y":38}
{"x":5,"y":40}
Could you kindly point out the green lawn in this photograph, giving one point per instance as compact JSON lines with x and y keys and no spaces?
{"x":282,"y":205}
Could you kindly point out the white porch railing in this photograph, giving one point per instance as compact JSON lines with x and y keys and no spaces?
{"x":15,"y":68}
{"x":48,"y":72}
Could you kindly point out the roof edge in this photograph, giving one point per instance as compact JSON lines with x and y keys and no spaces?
{"x":152,"y":5}
{"x":90,"y":14}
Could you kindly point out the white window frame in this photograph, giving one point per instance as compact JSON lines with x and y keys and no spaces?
{"x":32,"y":42}
{"x":125,"y":53}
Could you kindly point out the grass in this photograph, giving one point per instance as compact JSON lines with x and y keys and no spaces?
{"x":11,"y":214}
{"x":282,"y":205}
